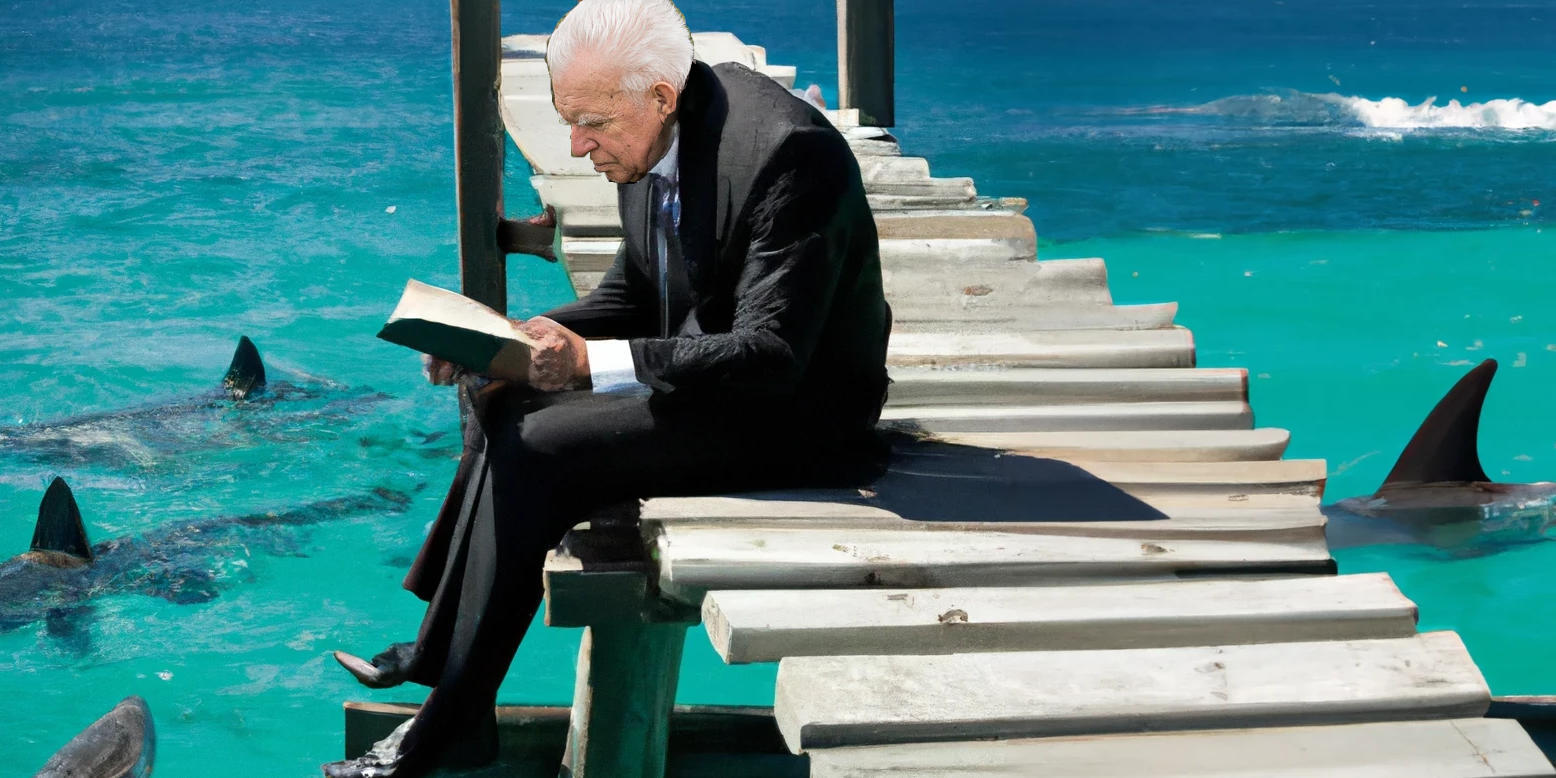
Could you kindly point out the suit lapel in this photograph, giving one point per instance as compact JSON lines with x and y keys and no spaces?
{"x":702,"y":118}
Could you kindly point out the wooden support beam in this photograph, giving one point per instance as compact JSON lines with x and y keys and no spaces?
{"x":866,"y":59}
{"x":630,"y":657}
{"x":478,"y":150}
{"x":620,"y":725}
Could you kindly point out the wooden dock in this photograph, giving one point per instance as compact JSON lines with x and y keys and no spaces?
{"x":1085,"y":560}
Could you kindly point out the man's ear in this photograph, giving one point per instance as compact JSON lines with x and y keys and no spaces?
{"x":665,"y":98}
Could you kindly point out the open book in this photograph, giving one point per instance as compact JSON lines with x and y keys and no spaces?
{"x":455,"y":328}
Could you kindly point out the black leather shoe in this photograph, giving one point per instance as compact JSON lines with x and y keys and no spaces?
{"x":364,"y":767}
{"x":471,"y":749}
{"x":383,"y":760}
{"x":391,"y":667}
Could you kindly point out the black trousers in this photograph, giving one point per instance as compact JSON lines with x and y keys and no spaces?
{"x":538,"y":465}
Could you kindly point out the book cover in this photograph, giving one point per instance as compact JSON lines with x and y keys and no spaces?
{"x":455,"y":328}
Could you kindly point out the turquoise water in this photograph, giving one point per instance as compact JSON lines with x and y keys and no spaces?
{"x":172,"y":177}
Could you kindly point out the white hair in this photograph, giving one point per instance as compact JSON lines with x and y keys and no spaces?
{"x":647,"y":39}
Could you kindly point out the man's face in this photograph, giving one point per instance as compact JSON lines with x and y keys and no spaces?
{"x":624,"y":135}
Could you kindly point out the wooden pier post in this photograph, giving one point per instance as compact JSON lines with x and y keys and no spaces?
{"x":865,"y":56}
{"x":478,"y":149}
{"x":479,"y":139}
{"x":630,"y":659}
{"x":627,"y":674}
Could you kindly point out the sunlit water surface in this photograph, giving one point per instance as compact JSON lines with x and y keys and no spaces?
{"x":174,"y":176}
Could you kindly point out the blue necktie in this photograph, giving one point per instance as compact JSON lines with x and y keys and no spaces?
{"x":664,"y":204}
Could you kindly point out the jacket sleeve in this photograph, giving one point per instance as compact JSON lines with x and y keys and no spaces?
{"x":798,"y":216}
{"x":615,"y":308}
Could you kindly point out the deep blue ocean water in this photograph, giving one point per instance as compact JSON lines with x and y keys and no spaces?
{"x":174,"y":176}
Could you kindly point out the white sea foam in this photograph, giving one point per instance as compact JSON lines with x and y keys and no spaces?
{"x":1397,"y":114}
{"x":1390,"y":114}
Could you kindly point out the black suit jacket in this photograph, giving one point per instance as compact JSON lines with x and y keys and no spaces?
{"x":776,"y":299}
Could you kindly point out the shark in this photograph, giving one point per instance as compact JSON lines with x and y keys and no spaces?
{"x":1439,"y":495}
{"x":243,"y":405}
{"x":62,"y":572}
{"x":120,"y":744}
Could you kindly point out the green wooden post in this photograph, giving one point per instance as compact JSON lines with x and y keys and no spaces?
{"x":630,"y":658}
{"x":627,"y":674}
{"x":865,"y":60}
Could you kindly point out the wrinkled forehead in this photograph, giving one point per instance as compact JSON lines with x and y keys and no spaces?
{"x":586,"y":85}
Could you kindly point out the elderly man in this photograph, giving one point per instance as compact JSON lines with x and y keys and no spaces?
{"x":738,"y":341}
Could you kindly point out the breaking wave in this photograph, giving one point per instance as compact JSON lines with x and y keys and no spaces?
{"x":1304,"y":109}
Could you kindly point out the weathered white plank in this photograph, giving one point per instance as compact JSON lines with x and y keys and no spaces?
{"x":937,"y":200}
{"x":959,"y":189}
{"x":886,"y":193}
{"x":1055,"y":348}
{"x":893,"y":169}
{"x":758,"y":55}
{"x":883,"y":146}
{"x":1454,"y":748}
{"x":783,"y":74}
{"x":823,"y":702}
{"x":533,"y":124}
{"x":948,"y":240}
{"x":768,"y":625}
{"x":716,"y":47}
{"x":948,"y":250}
{"x":927,"y":310}
{"x":1004,"y":511}
{"x":696,"y":558}
{"x":575,"y":191}
{"x":1051,"y":386}
{"x":525,"y":45}
{"x":710,"y":47}
{"x":993,"y":284}
{"x":595,"y":254}
{"x":936,"y":419}
{"x":986,"y":285}
{"x":1264,"y":443}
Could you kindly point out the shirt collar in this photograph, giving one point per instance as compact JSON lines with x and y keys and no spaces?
{"x":669,"y":164}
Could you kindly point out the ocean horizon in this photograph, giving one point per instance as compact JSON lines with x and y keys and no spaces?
{"x":1349,"y":200}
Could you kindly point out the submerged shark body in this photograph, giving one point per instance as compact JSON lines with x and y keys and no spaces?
{"x":121,"y":744}
{"x":179,"y":562}
{"x":147,"y":435}
{"x":1439,"y":495}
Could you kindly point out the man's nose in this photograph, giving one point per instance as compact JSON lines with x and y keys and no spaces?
{"x":582,"y":143}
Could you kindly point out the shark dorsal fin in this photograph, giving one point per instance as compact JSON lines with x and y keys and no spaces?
{"x":59,"y":524}
{"x":246,"y":375}
{"x":1444,"y":448}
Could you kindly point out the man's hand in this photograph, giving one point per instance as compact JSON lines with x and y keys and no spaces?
{"x":440,"y":372}
{"x":560,"y":360}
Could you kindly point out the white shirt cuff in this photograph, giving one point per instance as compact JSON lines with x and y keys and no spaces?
{"x":610,"y":367}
